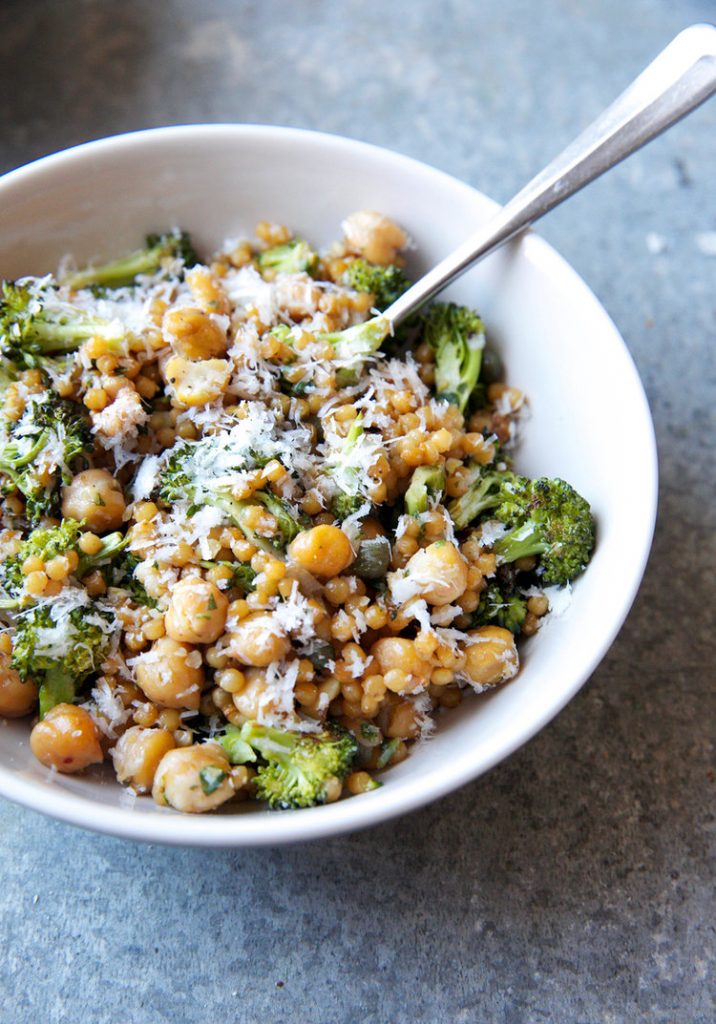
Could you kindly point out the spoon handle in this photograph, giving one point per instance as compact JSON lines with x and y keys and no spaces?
{"x":677,"y":81}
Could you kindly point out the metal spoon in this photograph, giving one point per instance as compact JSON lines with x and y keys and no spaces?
{"x":678,"y":80}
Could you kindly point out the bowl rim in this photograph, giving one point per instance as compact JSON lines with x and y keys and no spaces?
{"x":266,"y":828}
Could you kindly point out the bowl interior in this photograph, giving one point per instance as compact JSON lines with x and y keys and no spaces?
{"x":557,"y":344}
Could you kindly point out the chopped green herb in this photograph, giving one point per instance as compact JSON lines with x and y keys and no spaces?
{"x":211,"y":778}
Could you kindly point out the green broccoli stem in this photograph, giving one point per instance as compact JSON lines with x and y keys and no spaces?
{"x":119,"y":273}
{"x":58,"y":687}
{"x":54,"y":336}
{"x":112,"y":545}
{"x":124,"y":271}
{"x":237,"y":749}
{"x":350,"y":498}
{"x":449,"y":388}
{"x":427,"y":483}
{"x":456,"y":334}
{"x":8,"y":463}
{"x":485,"y":493}
{"x":236,"y":510}
{"x":352,"y":436}
{"x":357,"y":343}
{"x":272,"y":744}
{"x":520,"y":542}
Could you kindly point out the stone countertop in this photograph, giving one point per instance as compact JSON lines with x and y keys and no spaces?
{"x":575,"y":882}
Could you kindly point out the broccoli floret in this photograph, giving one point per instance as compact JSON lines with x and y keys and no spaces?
{"x":386,"y":284}
{"x":38,"y":455}
{"x":345,"y":505}
{"x":188,"y":477}
{"x":125,"y":271}
{"x":120,"y":574}
{"x":290,"y":523}
{"x":35,"y":324}
{"x":550,"y":519}
{"x":286,"y":355}
{"x":60,"y":643}
{"x":426,"y":489}
{"x":346,"y":475}
{"x":49,"y":542}
{"x":353,"y":346}
{"x":292,"y":258}
{"x":488,"y":490}
{"x":8,"y":374}
{"x":498,"y":608}
{"x":457,"y":336}
{"x":296,"y":768}
{"x":185,"y":478}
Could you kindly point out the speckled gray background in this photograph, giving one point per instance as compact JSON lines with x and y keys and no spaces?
{"x":575,"y":883}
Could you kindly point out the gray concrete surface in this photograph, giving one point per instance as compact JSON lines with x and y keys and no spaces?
{"x":575,"y":883}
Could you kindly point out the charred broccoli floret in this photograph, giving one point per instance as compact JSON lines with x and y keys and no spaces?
{"x":385,"y":284}
{"x":159,"y":249}
{"x":295,"y":769}
{"x":59,"y":643}
{"x":550,"y":519}
{"x":41,"y":447}
{"x":457,"y":336}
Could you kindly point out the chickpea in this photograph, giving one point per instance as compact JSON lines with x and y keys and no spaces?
{"x":493,"y":658}
{"x":124,"y":413}
{"x":207,"y":291}
{"x":16,"y":698}
{"x":253,"y":697}
{"x":299,"y":297}
{"x":437,"y":573}
{"x":66,"y":739}
{"x":193,"y":779}
{"x":193,"y":334}
{"x":258,"y":640}
{"x":197,"y":611}
{"x":374,"y":236}
{"x":324,"y":551}
{"x":170,"y":674}
{"x":402,"y":721}
{"x":138,"y":753}
{"x":95,"y":496}
{"x":399,"y":663}
{"x":197,"y":383}
{"x":371,"y":528}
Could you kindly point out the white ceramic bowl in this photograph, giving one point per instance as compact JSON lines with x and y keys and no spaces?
{"x":590,"y":422}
